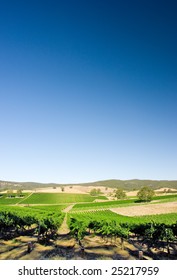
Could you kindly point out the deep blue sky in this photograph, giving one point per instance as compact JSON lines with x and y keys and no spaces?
{"x":88,"y":90}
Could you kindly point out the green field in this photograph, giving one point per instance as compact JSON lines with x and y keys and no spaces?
{"x":48,"y":207}
{"x":28,"y":210}
{"x":119,"y":203}
{"x":165,"y":198}
{"x":108,"y":215}
{"x":83,"y":201}
{"x":106,"y":204}
{"x":57,"y":198}
{"x":5,"y":200}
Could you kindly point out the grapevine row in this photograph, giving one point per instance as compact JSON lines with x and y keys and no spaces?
{"x":18,"y":221}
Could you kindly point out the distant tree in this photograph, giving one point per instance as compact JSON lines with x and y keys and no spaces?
{"x":145,"y":194}
{"x":95,"y":192}
{"x":120,"y":194}
{"x":10,"y":193}
{"x":19,"y":193}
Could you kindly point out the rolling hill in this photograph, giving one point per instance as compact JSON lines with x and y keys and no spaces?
{"x":134,"y":184}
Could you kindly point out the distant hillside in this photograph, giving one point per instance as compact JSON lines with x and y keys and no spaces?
{"x":124,"y":184}
{"x":134,"y":184}
{"x":25,"y":185}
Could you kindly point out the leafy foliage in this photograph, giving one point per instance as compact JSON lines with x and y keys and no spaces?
{"x":145,"y":194}
{"x":120,"y":194}
{"x":95,"y":192}
{"x":107,"y":225}
{"x":17,"y":220}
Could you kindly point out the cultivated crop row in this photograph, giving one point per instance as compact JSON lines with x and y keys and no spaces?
{"x":5,"y":199}
{"x":57,"y":198}
{"x":167,"y":219}
{"x":107,"y":224}
{"x":119,"y":203}
{"x":15,"y":221}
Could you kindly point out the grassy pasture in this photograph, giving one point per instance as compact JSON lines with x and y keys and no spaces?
{"x":57,"y":198}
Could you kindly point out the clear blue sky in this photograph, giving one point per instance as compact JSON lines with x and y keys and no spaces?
{"x":88,"y":90}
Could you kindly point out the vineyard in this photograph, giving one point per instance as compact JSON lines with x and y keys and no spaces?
{"x":106,"y":204}
{"x":57,"y":198}
{"x":154,"y":231}
{"x":119,"y":203}
{"x":69,"y":223}
{"x":17,"y":220}
{"x":6,"y":200}
{"x":107,"y":215}
{"x":53,"y":208}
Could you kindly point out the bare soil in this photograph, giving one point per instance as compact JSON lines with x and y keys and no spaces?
{"x":161,"y":191}
{"x":73,"y":189}
{"x":65,"y":247}
{"x":149,"y":209}
{"x":86,"y":190}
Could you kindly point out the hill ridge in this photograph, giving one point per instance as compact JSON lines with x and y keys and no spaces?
{"x":131,"y":184}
